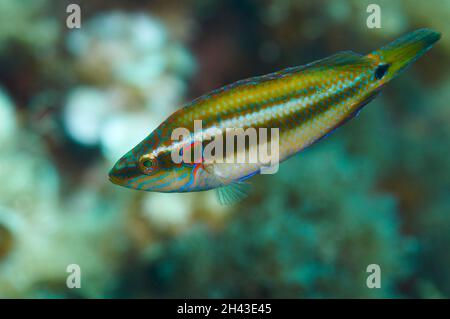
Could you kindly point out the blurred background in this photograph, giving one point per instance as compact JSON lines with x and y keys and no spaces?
{"x":72,"y":101}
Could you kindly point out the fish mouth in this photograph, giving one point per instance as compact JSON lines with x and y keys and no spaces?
{"x":123,"y":175}
{"x":124,"y":171}
{"x":115,"y":180}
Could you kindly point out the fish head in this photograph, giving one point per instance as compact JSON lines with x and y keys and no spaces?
{"x":393,"y":58}
{"x":151,"y":168}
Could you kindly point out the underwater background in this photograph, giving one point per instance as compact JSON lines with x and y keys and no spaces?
{"x":72,"y":101}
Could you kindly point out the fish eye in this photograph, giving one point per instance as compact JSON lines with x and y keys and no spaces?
{"x":148,"y":163}
{"x":381,"y":70}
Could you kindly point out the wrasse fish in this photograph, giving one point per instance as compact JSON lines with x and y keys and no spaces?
{"x":305,"y":103}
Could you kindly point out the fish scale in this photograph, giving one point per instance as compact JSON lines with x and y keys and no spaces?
{"x":278,"y":104}
{"x":305,"y":103}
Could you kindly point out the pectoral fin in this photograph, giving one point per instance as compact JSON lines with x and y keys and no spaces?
{"x":232,"y":193}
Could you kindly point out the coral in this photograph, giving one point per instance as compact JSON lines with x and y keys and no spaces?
{"x":22,"y":22}
{"x":142,"y":71}
{"x":39,"y":235}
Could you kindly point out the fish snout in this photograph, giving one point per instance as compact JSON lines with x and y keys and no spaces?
{"x":124,"y":171}
{"x":114,"y":179}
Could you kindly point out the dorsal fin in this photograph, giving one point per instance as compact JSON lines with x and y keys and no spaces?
{"x":340,"y":58}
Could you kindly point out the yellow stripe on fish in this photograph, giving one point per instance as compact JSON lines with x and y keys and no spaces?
{"x":305,"y":103}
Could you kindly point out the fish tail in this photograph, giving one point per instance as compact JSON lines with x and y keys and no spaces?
{"x":401,"y":53}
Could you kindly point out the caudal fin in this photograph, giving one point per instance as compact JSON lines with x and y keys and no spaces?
{"x":401,"y":53}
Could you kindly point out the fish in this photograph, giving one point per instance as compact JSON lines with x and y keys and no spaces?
{"x":304,"y":103}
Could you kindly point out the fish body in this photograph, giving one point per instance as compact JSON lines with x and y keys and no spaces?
{"x":304,"y":103}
